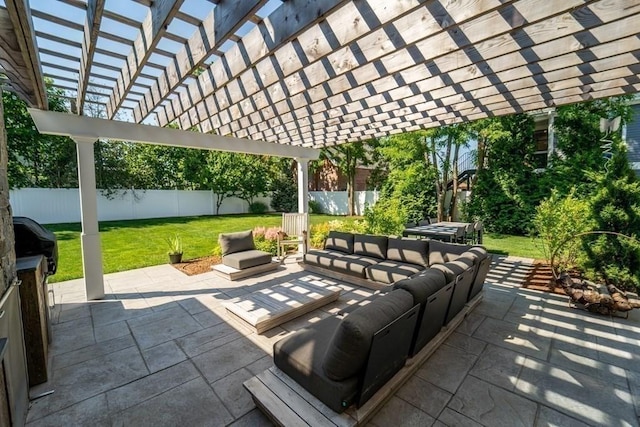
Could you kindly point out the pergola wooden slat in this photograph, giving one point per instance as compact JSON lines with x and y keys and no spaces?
{"x":95,"y":9}
{"x":323,"y":72}
{"x":161,"y":12}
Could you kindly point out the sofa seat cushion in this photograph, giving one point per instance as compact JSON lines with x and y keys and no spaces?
{"x":348,"y":351}
{"x":246,"y":259}
{"x":409,"y":251}
{"x":370,"y":246}
{"x":391,"y":271}
{"x":322,"y":257}
{"x":353,"y":265}
{"x":301,"y":355}
{"x":231,"y":243}
{"x":339,"y":241}
{"x":453,"y":269}
{"x":423,"y":285}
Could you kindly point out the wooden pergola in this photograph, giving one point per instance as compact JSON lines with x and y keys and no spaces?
{"x":316,"y":73}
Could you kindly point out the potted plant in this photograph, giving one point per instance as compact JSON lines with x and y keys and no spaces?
{"x":175,"y":249}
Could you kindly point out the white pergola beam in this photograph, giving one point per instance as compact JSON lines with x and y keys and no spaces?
{"x":55,"y":123}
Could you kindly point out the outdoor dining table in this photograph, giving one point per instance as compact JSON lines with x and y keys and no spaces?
{"x":444,"y":230}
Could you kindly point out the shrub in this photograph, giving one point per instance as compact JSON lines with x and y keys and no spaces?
{"x":266,"y":239}
{"x":319,"y":233}
{"x":386,"y":217}
{"x":257,"y":208}
{"x":315,"y":207}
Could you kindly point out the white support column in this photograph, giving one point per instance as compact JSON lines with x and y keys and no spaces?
{"x":303,"y":185}
{"x":90,"y":237}
{"x":303,"y":192}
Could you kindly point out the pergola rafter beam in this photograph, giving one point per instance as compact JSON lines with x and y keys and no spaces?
{"x":161,"y":12}
{"x":95,"y":9}
{"x":216,"y":28}
{"x":19,"y":57}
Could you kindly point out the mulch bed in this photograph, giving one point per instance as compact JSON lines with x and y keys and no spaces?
{"x":195,"y":266}
{"x":541,"y":279}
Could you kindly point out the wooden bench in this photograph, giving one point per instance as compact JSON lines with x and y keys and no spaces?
{"x":286,"y":403}
{"x":268,"y":308}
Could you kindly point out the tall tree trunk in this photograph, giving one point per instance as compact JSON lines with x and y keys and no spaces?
{"x":454,"y":193}
{"x":446,"y":166}
{"x":434,"y":157}
{"x":482,"y":154}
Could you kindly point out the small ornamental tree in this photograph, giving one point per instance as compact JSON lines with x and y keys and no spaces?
{"x":558,"y":220}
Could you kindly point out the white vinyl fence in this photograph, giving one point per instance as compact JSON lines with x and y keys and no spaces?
{"x":336,"y":202}
{"x":57,"y":205}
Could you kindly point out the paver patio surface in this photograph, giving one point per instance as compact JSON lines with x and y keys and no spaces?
{"x":160,"y":350}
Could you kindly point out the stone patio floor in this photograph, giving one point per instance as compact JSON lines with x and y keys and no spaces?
{"x":160,"y":350}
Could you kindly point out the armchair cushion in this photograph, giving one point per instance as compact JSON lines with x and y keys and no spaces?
{"x":231,"y":243}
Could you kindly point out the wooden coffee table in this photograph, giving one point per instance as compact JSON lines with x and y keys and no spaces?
{"x":267,"y":308}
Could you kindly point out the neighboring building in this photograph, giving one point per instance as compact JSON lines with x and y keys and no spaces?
{"x":329,"y":178}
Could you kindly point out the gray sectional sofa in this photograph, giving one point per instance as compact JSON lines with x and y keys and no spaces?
{"x":378,"y":261}
{"x":345,"y":359}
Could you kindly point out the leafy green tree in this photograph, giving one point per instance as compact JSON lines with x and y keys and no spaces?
{"x":37,"y":160}
{"x":218,"y":177}
{"x":615,"y":207}
{"x":507,"y":190}
{"x":284,"y":188}
{"x":578,"y":140}
{"x":407,"y":189}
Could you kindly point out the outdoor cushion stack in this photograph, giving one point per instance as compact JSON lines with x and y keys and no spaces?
{"x":239,"y":251}
{"x":346,"y":358}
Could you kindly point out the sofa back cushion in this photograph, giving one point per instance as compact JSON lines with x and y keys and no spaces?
{"x":348,"y":350}
{"x":441,"y":252}
{"x":408,"y":250}
{"x":339,"y":241}
{"x":423,"y":285}
{"x":230,"y":243}
{"x":453,"y":269}
{"x":372,"y":246}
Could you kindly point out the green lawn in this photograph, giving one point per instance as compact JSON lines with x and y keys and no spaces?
{"x":139,"y":243}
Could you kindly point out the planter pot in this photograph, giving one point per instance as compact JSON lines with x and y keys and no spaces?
{"x":175,"y":258}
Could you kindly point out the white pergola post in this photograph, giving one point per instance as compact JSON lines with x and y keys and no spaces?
{"x":303,"y":192}
{"x":90,"y":237}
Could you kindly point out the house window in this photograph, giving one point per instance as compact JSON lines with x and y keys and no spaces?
{"x":541,"y":139}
